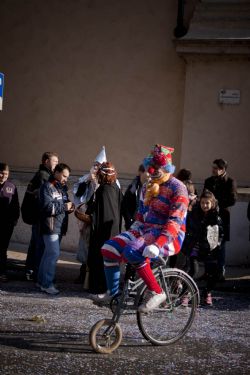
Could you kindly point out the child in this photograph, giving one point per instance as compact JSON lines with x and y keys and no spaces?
{"x":192,"y":194}
{"x":202,"y":242}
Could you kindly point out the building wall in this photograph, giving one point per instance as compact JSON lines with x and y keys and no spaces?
{"x":87,"y":73}
{"x":212,"y":130}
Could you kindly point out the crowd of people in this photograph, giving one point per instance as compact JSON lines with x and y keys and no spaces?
{"x":160,"y":213}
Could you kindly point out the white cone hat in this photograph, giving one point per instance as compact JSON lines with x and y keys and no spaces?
{"x":101,"y":157}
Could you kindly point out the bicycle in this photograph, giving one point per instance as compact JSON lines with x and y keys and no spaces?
{"x":171,"y":320}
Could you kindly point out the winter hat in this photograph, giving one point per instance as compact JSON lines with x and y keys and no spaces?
{"x":160,"y":156}
{"x":101,"y":157}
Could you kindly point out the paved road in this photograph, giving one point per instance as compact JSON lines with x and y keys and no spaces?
{"x":218,"y":342}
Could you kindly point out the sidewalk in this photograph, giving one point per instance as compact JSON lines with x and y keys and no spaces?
{"x":67,"y":266}
{"x":237,"y":278}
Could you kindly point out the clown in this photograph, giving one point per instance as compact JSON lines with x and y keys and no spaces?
{"x":159,"y":229}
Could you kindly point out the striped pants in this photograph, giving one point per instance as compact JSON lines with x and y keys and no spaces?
{"x":125,"y":247}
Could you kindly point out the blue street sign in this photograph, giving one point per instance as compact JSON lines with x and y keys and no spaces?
{"x":1,"y":90}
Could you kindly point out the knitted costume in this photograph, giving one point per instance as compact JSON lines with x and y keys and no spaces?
{"x":160,"y":221}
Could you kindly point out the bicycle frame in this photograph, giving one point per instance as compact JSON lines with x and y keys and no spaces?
{"x":175,"y":284}
{"x":136,"y":286}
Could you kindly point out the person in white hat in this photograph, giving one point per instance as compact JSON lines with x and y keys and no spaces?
{"x":83,"y":191}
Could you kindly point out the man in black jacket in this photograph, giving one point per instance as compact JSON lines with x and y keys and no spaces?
{"x":30,"y":212}
{"x":54,"y":207}
{"x":225,"y":191}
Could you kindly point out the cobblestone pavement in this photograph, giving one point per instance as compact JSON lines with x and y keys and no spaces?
{"x":41,"y":334}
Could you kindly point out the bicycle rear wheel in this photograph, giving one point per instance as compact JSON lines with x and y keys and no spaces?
{"x":171,"y":320}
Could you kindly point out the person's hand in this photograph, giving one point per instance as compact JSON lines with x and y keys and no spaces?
{"x":69,"y":207}
{"x":151,"y":251}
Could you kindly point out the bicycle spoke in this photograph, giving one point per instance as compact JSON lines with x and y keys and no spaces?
{"x":169,"y":322}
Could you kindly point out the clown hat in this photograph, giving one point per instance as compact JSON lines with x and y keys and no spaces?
{"x":101,"y":157}
{"x":160,"y":156}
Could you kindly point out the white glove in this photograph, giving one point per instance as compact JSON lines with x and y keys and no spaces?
{"x":151,"y":251}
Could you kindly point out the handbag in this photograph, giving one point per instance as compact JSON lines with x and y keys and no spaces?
{"x":80,"y":213}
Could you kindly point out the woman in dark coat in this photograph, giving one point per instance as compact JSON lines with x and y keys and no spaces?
{"x":105,"y":211}
{"x":203,"y":239}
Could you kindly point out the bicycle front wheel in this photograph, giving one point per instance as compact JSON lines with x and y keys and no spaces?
{"x":105,"y":336}
{"x":171,"y":320}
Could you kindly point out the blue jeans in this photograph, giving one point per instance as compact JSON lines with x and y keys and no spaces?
{"x":47,"y":268}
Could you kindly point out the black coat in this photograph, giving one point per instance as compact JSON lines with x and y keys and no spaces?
{"x":30,"y":205}
{"x":130,"y":202}
{"x":196,"y":230}
{"x":225,"y":191}
{"x":105,"y":209}
{"x":9,"y":204}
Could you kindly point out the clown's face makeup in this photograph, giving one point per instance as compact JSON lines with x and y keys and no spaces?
{"x":156,"y":172}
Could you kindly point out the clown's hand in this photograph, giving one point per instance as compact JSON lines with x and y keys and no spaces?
{"x":151,"y":251}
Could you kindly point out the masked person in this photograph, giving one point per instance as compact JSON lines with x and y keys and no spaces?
{"x":105,"y":212}
{"x":159,"y":229}
{"x":83,"y":191}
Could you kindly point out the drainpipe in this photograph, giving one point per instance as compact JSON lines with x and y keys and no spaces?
{"x":180,"y":29}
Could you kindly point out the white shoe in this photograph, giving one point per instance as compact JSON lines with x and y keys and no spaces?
{"x":50,"y":290}
{"x":102,"y":299}
{"x":185,"y":300}
{"x":152,"y":301}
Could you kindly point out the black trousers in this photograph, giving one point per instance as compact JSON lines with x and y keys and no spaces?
{"x":6,"y":230}
{"x":211,"y":271}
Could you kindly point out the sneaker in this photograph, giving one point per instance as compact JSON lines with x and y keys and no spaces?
{"x":50,"y":290}
{"x":185,"y":300}
{"x":102,"y":299}
{"x":29,"y":275}
{"x":152,"y":301}
{"x":208,"y":300}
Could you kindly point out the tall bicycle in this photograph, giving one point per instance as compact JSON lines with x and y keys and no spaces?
{"x":163,"y":325}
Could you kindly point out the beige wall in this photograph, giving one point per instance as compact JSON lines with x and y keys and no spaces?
{"x":212,"y":130}
{"x":82,"y":74}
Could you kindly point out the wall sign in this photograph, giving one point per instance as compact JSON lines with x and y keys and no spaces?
{"x":229,"y":96}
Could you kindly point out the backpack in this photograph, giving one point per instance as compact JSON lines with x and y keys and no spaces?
{"x":30,"y":203}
